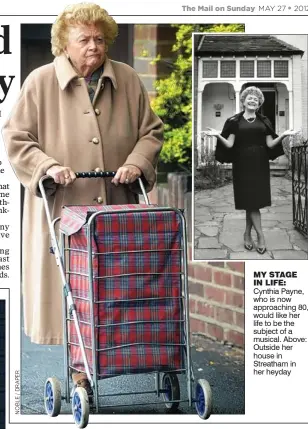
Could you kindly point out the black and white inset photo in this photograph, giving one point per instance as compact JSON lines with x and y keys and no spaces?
{"x":250,"y":146}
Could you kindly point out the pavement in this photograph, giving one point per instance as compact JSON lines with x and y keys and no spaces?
{"x":222,"y":365}
{"x":219,"y":228}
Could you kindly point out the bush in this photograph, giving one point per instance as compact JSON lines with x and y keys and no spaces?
{"x":289,"y":141}
{"x":211,"y":176}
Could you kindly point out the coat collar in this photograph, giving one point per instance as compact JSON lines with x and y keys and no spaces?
{"x":65,"y":72}
{"x":237,"y":116}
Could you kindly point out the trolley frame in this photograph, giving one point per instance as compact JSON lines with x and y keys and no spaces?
{"x":59,"y":249}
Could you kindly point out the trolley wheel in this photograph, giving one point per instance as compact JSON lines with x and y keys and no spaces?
{"x":80,"y":407}
{"x":170,"y":383}
{"x":52,"y":396}
{"x":203,"y":399}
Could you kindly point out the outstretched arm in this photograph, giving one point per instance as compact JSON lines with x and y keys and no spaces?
{"x":229,"y":142}
{"x":273,"y":142}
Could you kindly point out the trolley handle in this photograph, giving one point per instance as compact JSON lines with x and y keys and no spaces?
{"x":81,"y":175}
{"x":90,"y":174}
{"x":95,"y":174}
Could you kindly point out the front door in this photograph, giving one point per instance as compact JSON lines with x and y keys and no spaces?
{"x":268,"y":108}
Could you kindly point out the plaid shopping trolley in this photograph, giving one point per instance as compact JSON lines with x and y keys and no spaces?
{"x":125,"y":307}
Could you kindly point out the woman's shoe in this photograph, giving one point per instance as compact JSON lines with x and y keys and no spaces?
{"x":248,"y":246}
{"x":261,"y":250}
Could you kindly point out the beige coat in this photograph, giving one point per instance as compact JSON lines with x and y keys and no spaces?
{"x":54,"y":123}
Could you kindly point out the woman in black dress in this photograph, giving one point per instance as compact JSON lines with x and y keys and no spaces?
{"x":249,"y":141}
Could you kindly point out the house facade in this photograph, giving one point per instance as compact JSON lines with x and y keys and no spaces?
{"x":226,"y":64}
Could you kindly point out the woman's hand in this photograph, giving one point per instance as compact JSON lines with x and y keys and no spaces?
{"x":289,"y":133}
{"x":126,"y":174}
{"x":62,"y":175}
{"x":211,"y":132}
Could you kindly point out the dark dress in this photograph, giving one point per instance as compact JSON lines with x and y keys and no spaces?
{"x":251,"y":173}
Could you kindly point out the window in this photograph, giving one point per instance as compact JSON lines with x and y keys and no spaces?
{"x":227,"y":69}
{"x":281,"y":68}
{"x":264,"y":68}
{"x":210,"y":69}
{"x":247,"y":68}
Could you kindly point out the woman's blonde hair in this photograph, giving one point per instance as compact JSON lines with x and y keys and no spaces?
{"x":84,"y":14}
{"x":254,"y":91}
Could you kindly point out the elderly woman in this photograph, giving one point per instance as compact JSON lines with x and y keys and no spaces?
{"x":81,"y":112}
{"x":249,"y":141}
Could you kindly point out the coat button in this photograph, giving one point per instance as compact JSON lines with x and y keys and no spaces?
{"x":98,"y":170}
{"x":95,"y":140}
{"x":97,"y":112}
{"x":99,"y":200}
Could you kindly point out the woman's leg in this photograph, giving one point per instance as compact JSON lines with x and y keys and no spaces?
{"x":247,"y":234}
{"x":255,"y":216}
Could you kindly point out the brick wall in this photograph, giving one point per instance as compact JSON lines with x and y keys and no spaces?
{"x":217,"y":300}
{"x":151,"y":40}
{"x":216,"y":289}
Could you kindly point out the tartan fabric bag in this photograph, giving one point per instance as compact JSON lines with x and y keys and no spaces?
{"x":136,"y":267}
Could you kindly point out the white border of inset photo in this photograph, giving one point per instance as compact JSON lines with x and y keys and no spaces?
{"x":272,"y":202}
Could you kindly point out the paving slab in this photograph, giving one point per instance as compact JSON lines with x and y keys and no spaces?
{"x":210,"y":254}
{"x":286,"y":224}
{"x":202,"y":199}
{"x":277,"y":222}
{"x":210,"y":231}
{"x":211,"y":223}
{"x":204,"y":208}
{"x":223,"y":203}
{"x":236,"y":215}
{"x":289,"y":254}
{"x":270,"y":223}
{"x":282,"y":209}
{"x":197,"y":236}
{"x":277,"y":239}
{"x":208,"y":243}
{"x":231,"y":224}
{"x":222,"y":209}
{"x":201,"y":217}
{"x":232,"y":239}
{"x":298,"y":241}
{"x":249,"y":255}
{"x":277,"y":216}
{"x":279,"y":199}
